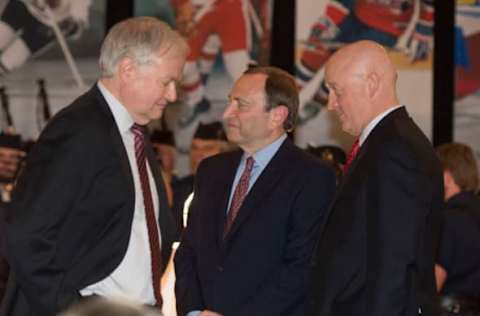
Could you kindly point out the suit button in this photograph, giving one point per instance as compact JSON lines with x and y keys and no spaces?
{"x":219,"y":268}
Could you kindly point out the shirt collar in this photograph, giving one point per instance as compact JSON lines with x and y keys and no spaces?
{"x":122,"y":117}
{"x":264,"y":155}
{"x":367,"y":130}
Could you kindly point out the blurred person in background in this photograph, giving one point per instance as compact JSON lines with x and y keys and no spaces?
{"x":209,"y":139}
{"x":458,"y":264}
{"x":12,"y":155}
{"x":163,"y":143}
{"x":334,"y":156}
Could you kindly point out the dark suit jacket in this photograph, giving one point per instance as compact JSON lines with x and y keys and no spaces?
{"x":375,"y":256}
{"x":261,"y":268}
{"x":72,"y":210}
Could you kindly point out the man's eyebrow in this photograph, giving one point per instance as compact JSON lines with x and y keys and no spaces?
{"x":238,"y":99}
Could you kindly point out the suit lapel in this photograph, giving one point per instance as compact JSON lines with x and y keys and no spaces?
{"x":368,"y":148}
{"x":265,"y":183}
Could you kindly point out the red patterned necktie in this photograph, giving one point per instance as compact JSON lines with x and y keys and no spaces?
{"x":153,"y":236}
{"x":351,"y":155}
{"x":239,"y":195}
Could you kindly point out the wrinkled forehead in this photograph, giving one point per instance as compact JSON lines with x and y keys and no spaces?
{"x":249,"y":85}
{"x":343,"y":66}
{"x":335,"y":70}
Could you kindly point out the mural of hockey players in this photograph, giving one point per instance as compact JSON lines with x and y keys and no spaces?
{"x":467,"y":48}
{"x":467,"y":73}
{"x":345,"y":21}
{"x":208,"y":56}
{"x":198,"y":20}
{"x":260,"y":17}
{"x":26,"y":27}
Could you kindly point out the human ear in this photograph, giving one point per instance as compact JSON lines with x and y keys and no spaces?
{"x":373,"y":84}
{"x":126,"y":69}
{"x":278,"y":115}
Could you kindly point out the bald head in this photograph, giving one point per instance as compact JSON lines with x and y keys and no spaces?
{"x":365,"y":57}
{"x":361,"y":79}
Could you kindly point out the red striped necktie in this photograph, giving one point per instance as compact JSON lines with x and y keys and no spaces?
{"x":239,"y":195}
{"x":153,"y":236}
{"x":351,"y":155}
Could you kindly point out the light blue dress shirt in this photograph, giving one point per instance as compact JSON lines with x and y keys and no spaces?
{"x":261,"y":159}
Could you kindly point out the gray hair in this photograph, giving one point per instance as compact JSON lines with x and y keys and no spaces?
{"x":140,"y":38}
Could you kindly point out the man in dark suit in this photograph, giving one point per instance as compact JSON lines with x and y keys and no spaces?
{"x":375,"y":255}
{"x":256,"y":211}
{"x":89,"y":213}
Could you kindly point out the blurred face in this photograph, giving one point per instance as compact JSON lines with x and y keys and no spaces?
{"x":204,"y":148}
{"x":247,"y":122}
{"x":10,"y":159}
{"x":166,"y":156}
{"x":347,"y":97}
{"x":147,"y":89}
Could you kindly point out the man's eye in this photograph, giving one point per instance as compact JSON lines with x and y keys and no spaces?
{"x":242,"y":105}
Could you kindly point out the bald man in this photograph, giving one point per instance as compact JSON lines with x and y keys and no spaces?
{"x":375,"y":255}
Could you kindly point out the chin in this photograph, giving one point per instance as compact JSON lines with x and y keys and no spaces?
{"x":231,"y":135}
{"x":156,"y":115}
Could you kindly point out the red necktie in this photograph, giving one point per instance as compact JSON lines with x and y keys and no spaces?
{"x":351,"y":155}
{"x":239,"y":195}
{"x":153,"y":236}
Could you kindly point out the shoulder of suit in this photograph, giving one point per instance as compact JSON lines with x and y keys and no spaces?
{"x":301,"y":163}
{"x":300,"y":156}
{"x":83,"y":115}
{"x":222,"y":158}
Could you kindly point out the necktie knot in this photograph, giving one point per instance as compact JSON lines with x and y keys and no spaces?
{"x":138,"y":130}
{"x":249,"y":164}
{"x":239,"y":195}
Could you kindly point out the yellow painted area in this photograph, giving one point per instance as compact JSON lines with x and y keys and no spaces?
{"x":400,"y":59}
{"x":466,"y":2}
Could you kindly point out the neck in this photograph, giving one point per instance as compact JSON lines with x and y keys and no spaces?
{"x":379,"y":110}
{"x":112,"y":84}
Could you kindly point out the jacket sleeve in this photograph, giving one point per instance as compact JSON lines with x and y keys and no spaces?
{"x":399,"y":233}
{"x":46,"y":193}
